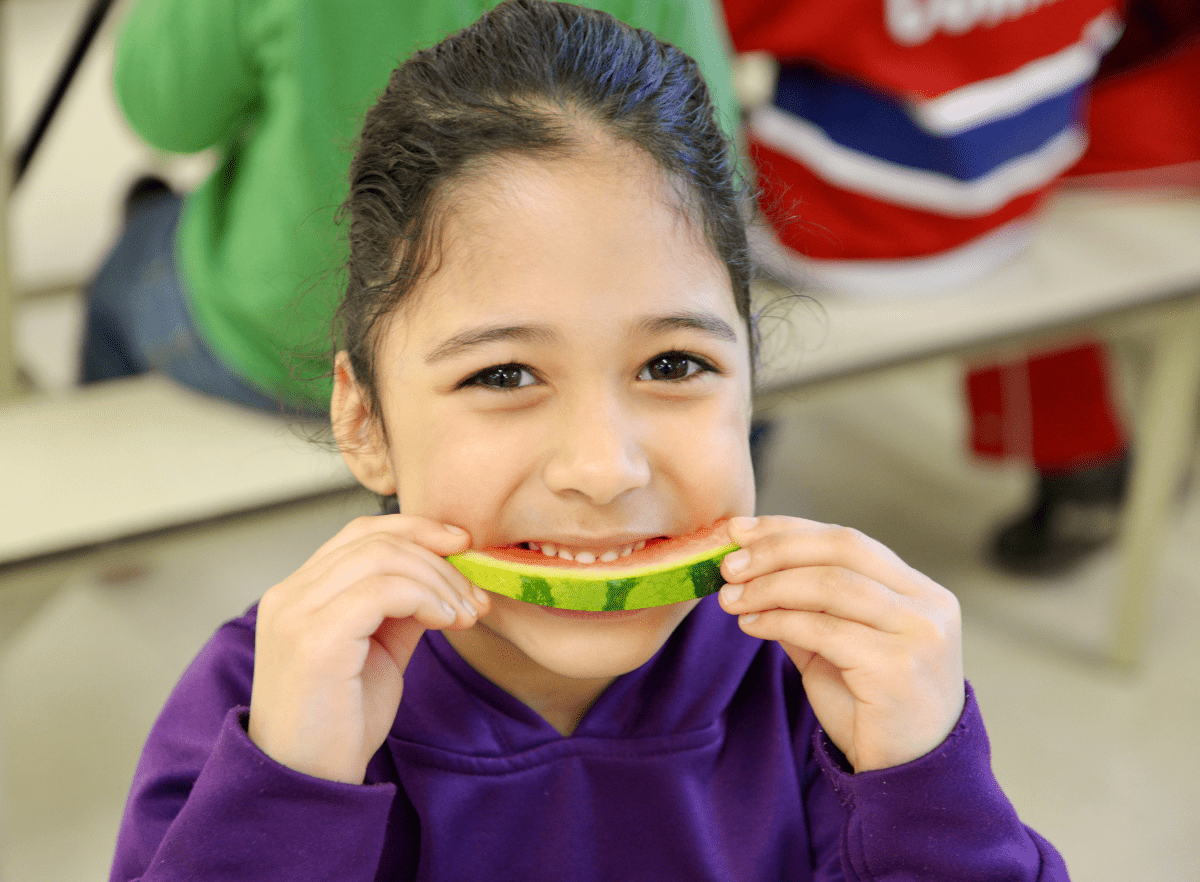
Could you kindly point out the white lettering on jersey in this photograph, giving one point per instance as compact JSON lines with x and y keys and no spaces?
{"x":912,"y":22}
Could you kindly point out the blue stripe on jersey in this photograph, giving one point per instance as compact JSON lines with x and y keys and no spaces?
{"x":870,"y":122}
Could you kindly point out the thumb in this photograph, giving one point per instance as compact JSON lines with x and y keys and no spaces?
{"x":399,"y":638}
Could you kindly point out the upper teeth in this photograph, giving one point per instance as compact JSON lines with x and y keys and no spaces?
{"x":586,"y":556}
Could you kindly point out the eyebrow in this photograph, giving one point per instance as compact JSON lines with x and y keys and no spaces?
{"x":705,"y":323}
{"x":469,"y":339}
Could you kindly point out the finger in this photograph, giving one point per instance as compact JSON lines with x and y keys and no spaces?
{"x":399,"y":639}
{"x":380,"y":554}
{"x":834,"y":590}
{"x":779,"y":543}
{"x":441,"y":539}
{"x":426,"y":566}
{"x":360,"y":611}
{"x":452,"y":589}
{"x":843,"y":643}
{"x":433,"y":541}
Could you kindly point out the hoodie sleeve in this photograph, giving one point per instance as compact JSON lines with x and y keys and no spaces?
{"x":206,"y":803}
{"x":941,"y":817}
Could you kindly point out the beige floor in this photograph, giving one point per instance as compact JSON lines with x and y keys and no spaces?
{"x":1104,"y":764}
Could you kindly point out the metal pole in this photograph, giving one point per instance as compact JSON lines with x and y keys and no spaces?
{"x":8,"y":337}
{"x":83,"y":41}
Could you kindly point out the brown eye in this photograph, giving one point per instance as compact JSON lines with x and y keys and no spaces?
{"x":671,"y":366}
{"x":504,"y":376}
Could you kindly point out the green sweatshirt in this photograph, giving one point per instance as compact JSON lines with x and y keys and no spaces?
{"x":279,"y":88}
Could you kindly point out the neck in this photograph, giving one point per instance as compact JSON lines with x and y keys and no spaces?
{"x":561,"y":701}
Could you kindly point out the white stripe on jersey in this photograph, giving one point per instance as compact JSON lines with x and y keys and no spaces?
{"x":916,"y":188}
{"x":985,"y":101}
{"x":895,"y":278}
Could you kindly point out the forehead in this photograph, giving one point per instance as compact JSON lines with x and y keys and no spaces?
{"x":577,"y":234}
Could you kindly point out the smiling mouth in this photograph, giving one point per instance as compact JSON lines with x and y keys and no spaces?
{"x":586,"y":555}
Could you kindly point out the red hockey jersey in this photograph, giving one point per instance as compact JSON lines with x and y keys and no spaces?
{"x":908,"y":142}
{"x":1144,"y":118}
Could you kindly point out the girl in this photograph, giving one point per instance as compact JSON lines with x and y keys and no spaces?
{"x":546,"y":339}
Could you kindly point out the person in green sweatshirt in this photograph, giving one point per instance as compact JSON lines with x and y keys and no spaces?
{"x":231,"y":289}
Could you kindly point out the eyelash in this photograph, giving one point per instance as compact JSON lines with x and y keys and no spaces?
{"x":476,"y":379}
{"x":703,"y":366}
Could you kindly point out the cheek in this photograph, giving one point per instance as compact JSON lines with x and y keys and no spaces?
{"x":716,"y":435}
{"x":713,"y":458}
{"x":458,"y":467}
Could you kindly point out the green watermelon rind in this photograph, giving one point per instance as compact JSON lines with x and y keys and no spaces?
{"x":596,"y":589}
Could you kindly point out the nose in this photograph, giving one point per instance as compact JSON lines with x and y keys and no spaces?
{"x":597,"y":451}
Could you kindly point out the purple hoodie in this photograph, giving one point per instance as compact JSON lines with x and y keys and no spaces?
{"x":704,"y":763}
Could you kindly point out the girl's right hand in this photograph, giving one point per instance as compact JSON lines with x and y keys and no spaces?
{"x":334,"y":638}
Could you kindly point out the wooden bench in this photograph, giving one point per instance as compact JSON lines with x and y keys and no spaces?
{"x":87,"y":473}
{"x":1102,"y":263}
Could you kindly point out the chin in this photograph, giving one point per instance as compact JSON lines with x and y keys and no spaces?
{"x":588,"y":646}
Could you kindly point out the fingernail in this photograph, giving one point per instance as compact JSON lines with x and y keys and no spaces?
{"x":469,"y":607}
{"x":450,"y":611}
{"x":481,"y":596}
{"x":458,"y":531}
{"x":737,"y":561}
{"x":730,"y":593}
{"x":748,"y":618}
{"x":744,"y":523}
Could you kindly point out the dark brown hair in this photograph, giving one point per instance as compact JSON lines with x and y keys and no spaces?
{"x":520,"y":80}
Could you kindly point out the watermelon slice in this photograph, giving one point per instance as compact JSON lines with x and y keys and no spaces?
{"x":665,"y":571}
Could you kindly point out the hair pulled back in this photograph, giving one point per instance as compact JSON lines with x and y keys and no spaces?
{"x":520,"y":80}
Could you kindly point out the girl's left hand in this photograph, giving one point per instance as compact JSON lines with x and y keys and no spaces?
{"x":878,"y":644}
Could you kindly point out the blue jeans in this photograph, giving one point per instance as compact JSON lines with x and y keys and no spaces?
{"x":138,"y":318}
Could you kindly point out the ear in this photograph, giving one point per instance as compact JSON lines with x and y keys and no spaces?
{"x":359,"y":432}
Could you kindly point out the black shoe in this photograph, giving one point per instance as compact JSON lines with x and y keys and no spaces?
{"x":1075,"y":513}
{"x":144,"y":189}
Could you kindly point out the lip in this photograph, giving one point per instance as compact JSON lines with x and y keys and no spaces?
{"x":612,"y":541}
{"x":577,"y":555}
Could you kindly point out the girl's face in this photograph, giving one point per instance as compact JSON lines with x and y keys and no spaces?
{"x":574,"y":371}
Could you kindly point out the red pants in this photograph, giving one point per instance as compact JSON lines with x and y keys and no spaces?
{"x":1054,"y":410}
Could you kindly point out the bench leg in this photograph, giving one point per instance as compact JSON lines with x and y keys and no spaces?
{"x":1164,"y":434}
